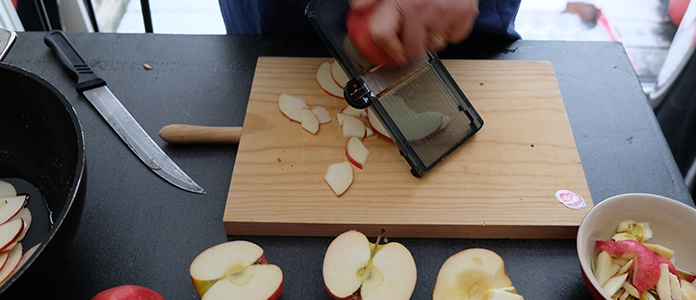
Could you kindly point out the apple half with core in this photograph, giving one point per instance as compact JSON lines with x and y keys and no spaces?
{"x":354,"y":268}
{"x":235,"y":270}
{"x":474,"y":274}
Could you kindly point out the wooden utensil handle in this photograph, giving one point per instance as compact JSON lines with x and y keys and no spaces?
{"x":193,"y":134}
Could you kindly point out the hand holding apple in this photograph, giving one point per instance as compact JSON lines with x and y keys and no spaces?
{"x":408,"y":28}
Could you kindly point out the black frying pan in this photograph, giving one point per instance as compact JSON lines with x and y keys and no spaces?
{"x":42,"y":154}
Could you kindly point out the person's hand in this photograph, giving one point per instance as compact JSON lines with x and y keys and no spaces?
{"x":409,"y":28}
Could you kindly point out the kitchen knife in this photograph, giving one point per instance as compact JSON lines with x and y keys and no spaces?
{"x":96,"y":91}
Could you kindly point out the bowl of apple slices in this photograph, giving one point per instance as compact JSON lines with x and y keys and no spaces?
{"x":639,"y":246}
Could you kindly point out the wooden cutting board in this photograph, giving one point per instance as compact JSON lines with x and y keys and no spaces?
{"x":499,"y":184}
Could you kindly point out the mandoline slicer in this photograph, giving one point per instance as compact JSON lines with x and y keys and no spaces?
{"x":419,"y":104}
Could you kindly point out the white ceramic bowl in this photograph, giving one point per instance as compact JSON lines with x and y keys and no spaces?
{"x":672,"y":222}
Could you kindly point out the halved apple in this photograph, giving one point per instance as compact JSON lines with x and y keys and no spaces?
{"x":326,"y":81}
{"x":474,"y":274}
{"x":338,"y":75}
{"x":339,"y":177}
{"x":235,"y":270}
{"x":354,"y":268}
{"x":291,"y":106}
{"x":309,"y":120}
{"x":356,"y":152}
{"x":128,"y":292}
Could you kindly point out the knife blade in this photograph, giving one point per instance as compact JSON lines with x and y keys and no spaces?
{"x":95,"y":90}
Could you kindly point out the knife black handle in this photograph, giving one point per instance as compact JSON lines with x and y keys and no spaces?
{"x":71,"y":59}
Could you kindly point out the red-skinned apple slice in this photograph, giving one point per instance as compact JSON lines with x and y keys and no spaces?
{"x":353,"y":127}
{"x":352,"y":111}
{"x":236,"y":270}
{"x":339,"y":177}
{"x":341,"y":118}
{"x":354,"y":268}
{"x":7,"y":189}
{"x":474,"y":274}
{"x":309,"y":121}
{"x":10,"y":232}
{"x":25,"y":215}
{"x":15,"y":256}
{"x":12,"y":208}
{"x":322,"y":114}
{"x":647,"y":263}
{"x":3,"y":258}
{"x":326,"y":82}
{"x":291,"y":106}
{"x":128,"y":292}
{"x":338,"y":75}
{"x":356,"y":152}
{"x":376,"y":124}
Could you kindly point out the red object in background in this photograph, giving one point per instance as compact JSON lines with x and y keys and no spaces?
{"x":677,"y":8}
{"x":14,"y":2}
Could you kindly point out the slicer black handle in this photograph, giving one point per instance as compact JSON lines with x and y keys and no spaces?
{"x":71,"y":59}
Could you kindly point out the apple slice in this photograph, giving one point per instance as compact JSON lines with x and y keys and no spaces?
{"x":291,"y":106}
{"x":352,"y":111}
{"x":339,"y":177}
{"x":353,"y":127}
{"x":686,"y":275}
{"x":354,"y":268}
{"x":7,"y":189}
{"x":473,"y":274}
{"x":663,"y":287}
{"x":25,"y":215}
{"x":376,"y":124}
{"x":688,"y":290}
{"x":326,"y":82}
{"x":356,"y":152}
{"x":309,"y":121}
{"x":27,"y":255}
{"x":10,"y":232}
{"x":614,"y":284}
{"x":15,"y":256}
{"x":12,"y":208}
{"x":606,"y":268}
{"x":3,"y":258}
{"x":322,"y":114}
{"x":235,"y":270}
{"x":341,"y":118}
{"x":661,"y":250}
{"x":338,"y":75}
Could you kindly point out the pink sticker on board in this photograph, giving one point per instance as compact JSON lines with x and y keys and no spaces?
{"x":570,"y":199}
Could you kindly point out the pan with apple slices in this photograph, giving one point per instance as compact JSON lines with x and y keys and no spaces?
{"x":42,"y":157}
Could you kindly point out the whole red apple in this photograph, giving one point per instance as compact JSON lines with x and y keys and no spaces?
{"x":359,"y":32}
{"x":128,"y":292}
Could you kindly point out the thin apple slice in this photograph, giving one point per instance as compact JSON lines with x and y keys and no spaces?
{"x":353,"y":127}
{"x":7,"y":189}
{"x":9,"y":232}
{"x":3,"y":258}
{"x":473,"y":274}
{"x":12,"y":208}
{"x":322,"y":114}
{"x":352,"y":111}
{"x":606,"y":268}
{"x":688,"y":290}
{"x":614,"y":284}
{"x":27,"y":255}
{"x":15,"y":256}
{"x":341,"y":118}
{"x":686,"y":275}
{"x":25,"y":215}
{"x":663,"y":287}
{"x":339,"y":177}
{"x":291,"y":106}
{"x":661,"y":250}
{"x":338,"y":75}
{"x":356,"y":152}
{"x":326,"y":82}
{"x":309,"y":121}
{"x":235,"y":270}
{"x":376,"y":124}
{"x":675,"y":286}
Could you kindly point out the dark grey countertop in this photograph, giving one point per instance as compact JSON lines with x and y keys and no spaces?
{"x":138,"y":229}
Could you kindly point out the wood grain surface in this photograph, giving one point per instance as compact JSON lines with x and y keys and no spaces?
{"x":499,"y":184}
